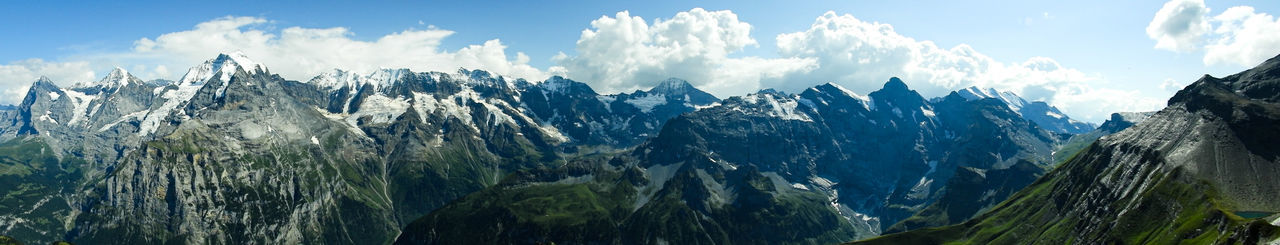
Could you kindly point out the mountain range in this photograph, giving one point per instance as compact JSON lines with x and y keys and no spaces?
{"x":1200,"y":171}
{"x":232,"y":153}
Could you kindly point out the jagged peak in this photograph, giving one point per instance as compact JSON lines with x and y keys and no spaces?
{"x":223,"y":67}
{"x":680,"y":89}
{"x":559,"y":84}
{"x":244,"y":62}
{"x":1011,"y":99}
{"x":672,"y":86}
{"x":895,"y":84}
{"x":44,"y":79}
{"x":831,"y":87}
{"x":338,"y":78}
{"x":118,"y":77}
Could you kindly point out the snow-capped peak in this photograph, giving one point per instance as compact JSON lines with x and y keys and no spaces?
{"x":338,"y":79}
{"x":334,"y":79}
{"x":556,"y":84}
{"x":671,"y":86}
{"x":386,"y":77}
{"x":222,"y":67}
{"x":1014,"y":101}
{"x":118,"y":77}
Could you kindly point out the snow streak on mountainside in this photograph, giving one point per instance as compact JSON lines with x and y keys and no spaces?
{"x":1043,"y":114}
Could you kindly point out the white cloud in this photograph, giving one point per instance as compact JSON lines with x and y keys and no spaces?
{"x":862,"y":55}
{"x":1179,"y":25}
{"x":624,"y":52}
{"x":1171,"y":85}
{"x":299,"y":53}
{"x":295,"y":52}
{"x":1245,"y":38}
{"x":1238,"y":36}
{"x":17,"y":76}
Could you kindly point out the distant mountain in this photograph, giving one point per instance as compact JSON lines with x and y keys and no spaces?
{"x":820,"y":166}
{"x":1043,"y":114}
{"x":1201,"y":170}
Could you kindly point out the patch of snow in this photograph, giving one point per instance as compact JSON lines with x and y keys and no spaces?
{"x":173,"y":98}
{"x":314,"y":140}
{"x":425,"y":104}
{"x":922,"y":187}
{"x":47,"y":117}
{"x":334,"y":80}
{"x":607,"y":100}
{"x":1014,"y":102}
{"x":799,"y":186}
{"x":783,"y":108}
{"x":554,"y":85}
{"x":866,"y":101}
{"x":648,"y":102}
{"x":380,"y":108}
{"x":1054,"y":114}
{"x":116,"y":79}
{"x":80,"y":103}
{"x":897,"y":112}
{"x":927,"y":112}
{"x":137,"y":115}
{"x":700,"y":107}
{"x":53,"y":96}
{"x":496,"y":113}
{"x":385,"y":77}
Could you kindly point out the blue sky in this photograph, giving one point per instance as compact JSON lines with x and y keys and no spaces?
{"x":1104,"y":44}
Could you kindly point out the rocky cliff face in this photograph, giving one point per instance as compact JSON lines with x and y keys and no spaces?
{"x":814,"y":167}
{"x":234,"y":153}
{"x":1200,"y":170}
{"x":970,"y":193}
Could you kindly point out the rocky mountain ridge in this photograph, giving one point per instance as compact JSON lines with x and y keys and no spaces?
{"x":1198,"y":171}
{"x":233,"y":153}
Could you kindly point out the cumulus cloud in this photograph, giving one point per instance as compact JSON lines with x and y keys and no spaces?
{"x":298,"y":53}
{"x":16,"y":77}
{"x":1245,"y":38}
{"x":625,"y":52}
{"x":1179,"y":25}
{"x":1171,"y":85}
{"x":862,"y":55}
{"x":294,"y":52}
{"x":1237,"y":36}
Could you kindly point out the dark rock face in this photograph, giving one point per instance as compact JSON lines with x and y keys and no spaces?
{"x":233,"y":153}
{"x":850,"y":165}
{"x":1194,"y":171}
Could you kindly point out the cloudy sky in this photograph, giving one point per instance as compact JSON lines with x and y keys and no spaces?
{"x":1089,"y":58}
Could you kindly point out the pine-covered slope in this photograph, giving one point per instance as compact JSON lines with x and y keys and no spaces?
{"x":1201,"y":171}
